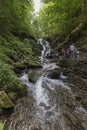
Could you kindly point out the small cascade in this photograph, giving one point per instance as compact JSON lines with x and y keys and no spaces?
{"x":24,"y":78}
{"x":40,"y":94}
{"x":46,"y":49}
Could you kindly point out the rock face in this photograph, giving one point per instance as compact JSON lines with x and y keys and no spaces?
{"x":77,"y":77}
{"x":81,"y":68}
{"x":5,"y":101}
{"x":77,"y":67}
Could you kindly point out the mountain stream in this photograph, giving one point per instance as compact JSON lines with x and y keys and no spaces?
{"x":50,"y":104}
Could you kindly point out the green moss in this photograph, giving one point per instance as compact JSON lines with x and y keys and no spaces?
{"x":33,"y":63}
{"x":11,"y":44}
{"x":5,"y":59}
{"x":84,"y":103}
{"x":14,"y":55}
{"x":18,"y":66}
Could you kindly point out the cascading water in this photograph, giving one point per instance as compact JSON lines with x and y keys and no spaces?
{"x":46,"y":49}
{"x":53,"y":101}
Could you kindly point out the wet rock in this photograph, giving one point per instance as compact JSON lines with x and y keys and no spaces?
{"x":5,"y":101}
{"x":55,"y":74}
{"x":34,"y":75}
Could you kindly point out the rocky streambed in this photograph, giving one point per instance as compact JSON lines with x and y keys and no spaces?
{"x":57,"y":97}
{"x":53,"y":102}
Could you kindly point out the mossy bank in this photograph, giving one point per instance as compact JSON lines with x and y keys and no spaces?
{"x":15,"y":55}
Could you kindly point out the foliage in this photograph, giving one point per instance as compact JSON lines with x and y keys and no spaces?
{"x":16,"y":16}
{"x":8,"y":79}
{"x":12,"y":48}
{"x":60,"y":16}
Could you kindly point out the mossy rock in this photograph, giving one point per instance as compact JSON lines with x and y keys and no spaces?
{"x":9,"y":82}
{"x":32,"y":64}
{"x":13,"y":96}
{"x":84,"y":103}
{"x":5,"y":101}
{"x":18,"y":67}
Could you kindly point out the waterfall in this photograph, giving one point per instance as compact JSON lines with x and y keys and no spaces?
{"x":46,"y":49}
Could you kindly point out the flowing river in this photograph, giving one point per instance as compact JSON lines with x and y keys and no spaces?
{"x":50,"y":104}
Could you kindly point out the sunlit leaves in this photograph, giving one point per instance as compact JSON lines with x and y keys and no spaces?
{"x":16,"y":15}
{"x":59,"y":16}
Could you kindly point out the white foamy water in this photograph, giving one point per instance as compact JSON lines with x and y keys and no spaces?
{"x":50,"y":66}
{"x":40,"y":92}
{"x":57,"y":82}
{"x":46,"y":49}
{"x":24,"y":78}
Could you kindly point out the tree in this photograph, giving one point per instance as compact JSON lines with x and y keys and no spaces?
{"x":59,"y":16}
{"x":16,"y":16}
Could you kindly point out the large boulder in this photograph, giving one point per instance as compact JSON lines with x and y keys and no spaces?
{"x":5,"y":101}
{"x":34,"y":74}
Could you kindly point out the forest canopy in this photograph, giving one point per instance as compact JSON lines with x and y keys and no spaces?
{"x":61,"y":16}
{"x":54,"y":17}
{"x":16,"y":16}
